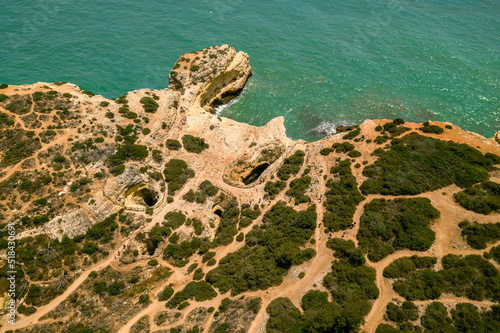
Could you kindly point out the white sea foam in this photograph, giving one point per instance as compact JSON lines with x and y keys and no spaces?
{"x":220,"y":108}
{"x":327,"y":128}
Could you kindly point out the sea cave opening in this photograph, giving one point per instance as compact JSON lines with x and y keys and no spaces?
{"x":255,"y":174}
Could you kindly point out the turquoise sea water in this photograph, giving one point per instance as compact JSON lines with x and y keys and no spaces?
{"x":318,"y":63}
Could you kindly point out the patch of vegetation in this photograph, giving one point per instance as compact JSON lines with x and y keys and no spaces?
{"x":351,"y":285}
{"x":298,"y":188}
{"x":393,"y":129}
{"x":478,"y":235}
{"x":129,"y":152}
{"x":274,"y":188}
{"x":227,"y":229}
{"x":5,"y":119}
{"x":174,"y":219}
{"x":483,"y":198}
{"x":408,"y":311}
{"x":176,"y":174}
{"x":434,"y":129}
{"x":17,"y":146}
{"x":179,"y":254}
{"x":387,"y":226}
{"x":343,"y":147}
{"x":270,"y":250}
{"x":206,"y":188}
{"x":199,"y":291}
{"x":326,"y":151}
{"x":470,"y":276}
{"x":194,"y":144}
{"x":149,"y":104}
{"x":352,"y":134}
{"x":173,"y":144}
{"x":416,"y":164}
{"x":342,"y":197}
{"x":291,"y":165}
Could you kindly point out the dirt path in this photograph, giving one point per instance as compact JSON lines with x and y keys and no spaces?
{"x":24,"y":321}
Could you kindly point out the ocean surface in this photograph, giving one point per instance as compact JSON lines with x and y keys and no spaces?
{"x":318,"y":63}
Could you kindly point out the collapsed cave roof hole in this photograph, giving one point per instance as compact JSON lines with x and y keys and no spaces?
{"x":218,"y":212}
{"x":255,"y":174}
{"x":151,"y":246}
{"x":150,"y":198}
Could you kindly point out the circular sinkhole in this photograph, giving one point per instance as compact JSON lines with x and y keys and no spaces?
{"x":150,"y":198}
{"x":141,"y":195}
{"x":218,"y":212}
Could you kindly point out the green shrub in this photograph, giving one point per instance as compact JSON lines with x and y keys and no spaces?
{"x":481,"y":198}
{"x":342,"y":197}
{"x":343,"y":147}
{"x":166,"y":294}
{"x":291,"y":165}
{"x":470,"y":276}
{"x":117,"y":170}
{"x":270,"y":250}
{"x":354,"y":153}
{"x":436,"y":318}
{"x":326,"y":151}
{"x":6,"y":120}
{"x":419,"y":164}
{"x":175,"y":219}
{"x":176,"y":175}
{"x":153,"y":262}
{"x":208,"y":188}
{"x":274,"y":188}
{"x":149,"y":104}
{"x":478,"y":235}
{"x":352,"y":134}
{"x":198,"y":274}
{"x":434,"y":129}
{"x":400,"y":314}
{"x":297,"y":190}
{"x":172,"y":144}
{"x":3,"y":97}
{"x":199,"y":291}
{"x":194,"y":144}
{"x":387,"y":226}
{"x":129,"y":151}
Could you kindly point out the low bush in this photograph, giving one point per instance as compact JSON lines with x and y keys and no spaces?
{"x":194,"y":144}
{"x":149,"y":104}
{"x":352,"y":134}
{"x":172,"y":144}
{"x":199,"y":291}
{"x":342,"y":197}
{"x":270,"y":250}
{"x":291,"y":165}
{"x":176,"y":174}
{"x":470,"y":276}
{"x":416,"y":164}
{"x":434,"y":129}
{"x":343,"y":147}
{"x":297,"y":190}
{"x":274,"y":188}
{"x":478,"y":235}
{"x":481,"y":198}
{"x":387,"y":226}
